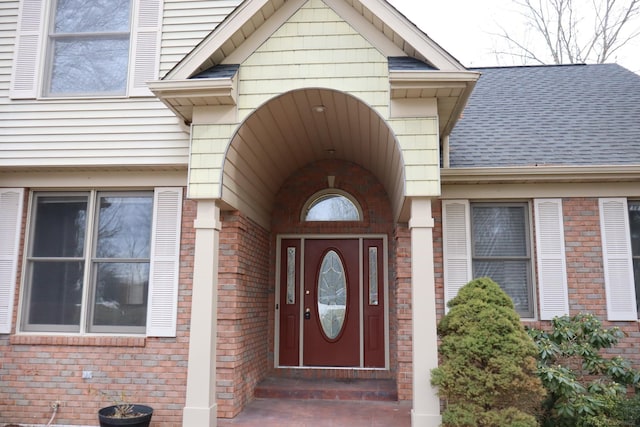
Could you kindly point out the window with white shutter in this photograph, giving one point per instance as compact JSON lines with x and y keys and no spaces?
{"x":634,"y":225}
{"x":165,"y":263}
{"x":552,"y":267}
{"x":10,"y":224}
{"x":86,"y":48}
{"x":456,"y":246}
{"x":617,"y":258}
{"x":501,"y":250}
{"x":488,"y":240}
{"x":103,"y":262}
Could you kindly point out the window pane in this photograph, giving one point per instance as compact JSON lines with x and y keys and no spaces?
{"x":60,"y":226}
{"x":80,"y":16}
{"x":373,"y":275}
{"x":634,"y":225}
{"x":636,"y":275}
{"x":56,"y":293}
{"x":499,"y":231}
{"x":124,"y":227}
{"x":332,"y":295}
{"x":333,"y":207}
{"x":291,"y":275}
{"x":513,"y":278}
{"x":121,"y":294}
{"x":87,"y":65}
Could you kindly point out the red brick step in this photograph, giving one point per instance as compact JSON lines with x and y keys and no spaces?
{"x":328,"y":389}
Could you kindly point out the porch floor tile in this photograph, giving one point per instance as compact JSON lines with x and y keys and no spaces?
{"x":321,"y":413}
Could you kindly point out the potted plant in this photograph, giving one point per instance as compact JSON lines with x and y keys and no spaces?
{"x":123,"y":413}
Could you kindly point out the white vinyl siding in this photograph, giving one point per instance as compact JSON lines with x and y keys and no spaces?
{"x":10,"y":224}
{"x":137,"y":131}
{"x":618,"y":264}
{"x":165,"y":262}
{"x":456,"y":234}
{"x":551,"y":261}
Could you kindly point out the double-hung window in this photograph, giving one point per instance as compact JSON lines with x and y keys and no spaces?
{"x":86,"y":48}
{"x":501,"y":250}
{"x":90,"y":262}
{"x":494,"y":239}
{"x":89,"y":47}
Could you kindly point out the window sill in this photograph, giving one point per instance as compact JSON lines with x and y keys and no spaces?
{"x":87,"y":341}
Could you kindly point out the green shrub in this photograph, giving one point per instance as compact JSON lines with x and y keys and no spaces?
{"x":487,"y":375}
{"x":585,"y":389}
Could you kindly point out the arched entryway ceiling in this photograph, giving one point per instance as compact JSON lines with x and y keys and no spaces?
{"x":300,"y":127}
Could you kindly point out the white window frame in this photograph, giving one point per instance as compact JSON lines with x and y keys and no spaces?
{"x":52,"y":37}
{"x":633,"y":257}
{"x":528,"y":245}
{"x":163,"y":271}
{"x":29,"y":76}
{"x":311,"y":202}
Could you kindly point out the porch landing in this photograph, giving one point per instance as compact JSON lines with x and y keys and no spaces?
{"x":295,"y":402}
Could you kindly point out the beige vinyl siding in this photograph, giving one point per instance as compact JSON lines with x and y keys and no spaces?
{"x":314,"y":48}
{"x":94,"y":132}
{"x":317,"y":50}
{"x":186,"y":23}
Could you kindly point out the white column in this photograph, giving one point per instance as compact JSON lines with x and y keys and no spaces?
{"x":201,"y":408}
{"x":426,"y":403}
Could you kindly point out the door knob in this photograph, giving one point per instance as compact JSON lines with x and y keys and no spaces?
{"x":307,"y":314}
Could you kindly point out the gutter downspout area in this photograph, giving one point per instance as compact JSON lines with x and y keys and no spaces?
{"x":445,"y":152}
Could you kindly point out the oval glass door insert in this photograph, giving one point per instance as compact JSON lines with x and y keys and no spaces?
{"x":332,"y":295}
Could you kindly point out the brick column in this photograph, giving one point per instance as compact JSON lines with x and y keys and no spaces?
{"x":426,"y":403}
{"x":201,"y":408}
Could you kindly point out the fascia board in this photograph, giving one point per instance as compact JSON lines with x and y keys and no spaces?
{"x":413,"y":79}
{"x":540,"y":174}
{"x":223,"y":32}
{"x":412,"y":35}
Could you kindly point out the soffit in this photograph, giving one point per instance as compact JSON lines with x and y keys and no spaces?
{"x":292,"y":131}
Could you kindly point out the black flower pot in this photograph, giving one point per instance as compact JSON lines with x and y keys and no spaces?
{"x":141,"y":419}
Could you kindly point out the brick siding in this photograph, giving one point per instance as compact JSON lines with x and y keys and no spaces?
{"x":37,"y":370}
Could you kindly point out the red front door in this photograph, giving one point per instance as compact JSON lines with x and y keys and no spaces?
{"x":331,"y":315}
{"x":331,"y":303}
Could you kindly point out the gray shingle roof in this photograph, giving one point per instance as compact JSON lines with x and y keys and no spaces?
{"x":550,"y":115}
{"x":407,"y":63}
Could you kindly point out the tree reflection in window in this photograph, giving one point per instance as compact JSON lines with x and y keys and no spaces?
{"x":89,"y":47}
{"x":332,"y":207}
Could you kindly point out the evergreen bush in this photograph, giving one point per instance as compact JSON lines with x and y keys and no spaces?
{"x":585,"y":388}
{"x":487,"y":375}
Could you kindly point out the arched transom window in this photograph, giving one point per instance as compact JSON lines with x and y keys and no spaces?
{"x":332,"y":205}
